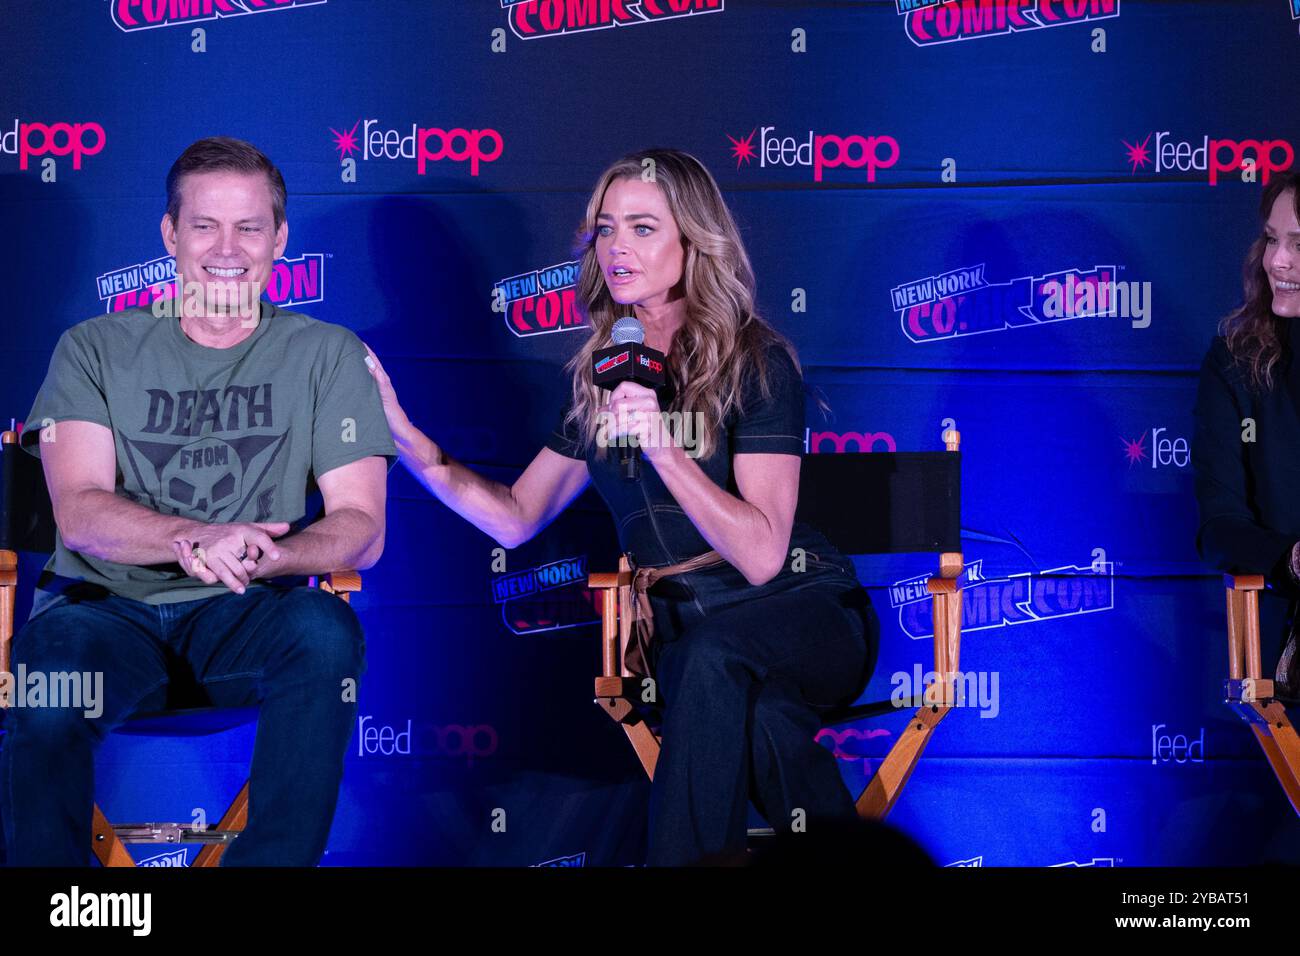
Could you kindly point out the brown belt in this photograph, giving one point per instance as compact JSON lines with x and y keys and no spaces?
{"x":636,"y":656}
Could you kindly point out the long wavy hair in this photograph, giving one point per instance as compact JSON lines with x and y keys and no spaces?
{"x":1256,"y":338}
{"x":722,"y":338}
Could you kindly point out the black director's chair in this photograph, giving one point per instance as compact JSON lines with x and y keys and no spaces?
{"x":27,"y":524}
{"x":865,"y":503}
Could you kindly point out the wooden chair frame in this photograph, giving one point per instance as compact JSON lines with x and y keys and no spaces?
{"x":1253,"y":697}
{"x":618,"y":692}
{"x":109,"y":840}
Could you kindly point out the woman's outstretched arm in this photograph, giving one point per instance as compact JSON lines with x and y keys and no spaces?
{"x":510,"y":514}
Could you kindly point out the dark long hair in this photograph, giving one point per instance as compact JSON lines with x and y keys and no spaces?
{"x":1255,"y":336}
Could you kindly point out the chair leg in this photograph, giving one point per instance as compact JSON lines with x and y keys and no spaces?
{"x":646,"y":744}
{"x":1281,"y":746}
{"x":103,"y":840}
{"x":882,"y":792}
{"x":235,"y":818}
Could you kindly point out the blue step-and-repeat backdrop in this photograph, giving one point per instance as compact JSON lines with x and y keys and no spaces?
{"x":908,"y":182}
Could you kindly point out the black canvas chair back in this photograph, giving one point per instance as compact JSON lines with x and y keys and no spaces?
{"x":884,"y":502}
{"x":866,"y":503}
{"x":26,"y":517}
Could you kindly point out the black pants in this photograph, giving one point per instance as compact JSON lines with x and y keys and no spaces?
{"x":742,"y":688}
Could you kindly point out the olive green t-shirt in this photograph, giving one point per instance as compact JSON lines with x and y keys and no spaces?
{"x":216,"y":435}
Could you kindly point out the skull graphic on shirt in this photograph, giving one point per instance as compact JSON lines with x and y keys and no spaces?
{"x":203,"y":476}
{"x":210,"y":478}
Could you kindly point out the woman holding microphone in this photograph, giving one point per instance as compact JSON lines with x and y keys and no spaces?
{"x":746,"y":648}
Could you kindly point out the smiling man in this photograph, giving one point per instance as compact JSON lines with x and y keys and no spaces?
{"x":181,"y":448}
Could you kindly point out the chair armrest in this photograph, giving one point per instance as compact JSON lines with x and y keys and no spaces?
{"x":1244,"y":582}
{"x":608,"y":579}
{"x":342,"y":583}
{"x":1244,"y":660}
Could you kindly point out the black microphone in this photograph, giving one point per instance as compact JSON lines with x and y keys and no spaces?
{"x":628,"y":360}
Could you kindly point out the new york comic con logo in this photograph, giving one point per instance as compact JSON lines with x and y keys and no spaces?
{"x":292,"y":282}
{"x":963,"y":302}
{"x":1095,"y":861}
{"x":540,"y":300}
{"x":532,"y":19}
{"x":577,"y":859}
{"x":132,"y":15}
{"x":947,"y":21}
{"x":546,"y":598}
{"x":174,"y":858}
{"x":1015,"y":599}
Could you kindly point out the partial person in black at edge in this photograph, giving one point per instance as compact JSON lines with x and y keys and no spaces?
{"x":746,"y":649}
{"x":1246,"y":448}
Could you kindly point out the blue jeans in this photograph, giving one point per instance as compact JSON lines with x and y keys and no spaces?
{"x":744,"y":674}
{"x":287,"y":649}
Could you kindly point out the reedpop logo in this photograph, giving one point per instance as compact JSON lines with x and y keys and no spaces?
{"x":1164,"y":451}
{"x":835,"y":443}
{"x":850,"y":743}
{"x":963,"y":302}
{"x":77,"y":140}
{"x":540,"y":301}
{"x":422,"y":144}
{"x":291,"y":282}
{"x":531,"y":19}
{"x":947,"y":21}
{"x":1210,"y":156}
{"x":471,"y":741}
{"x":131,"y":15}
{"x":1015,"y":599}
{"x":819,"y":150}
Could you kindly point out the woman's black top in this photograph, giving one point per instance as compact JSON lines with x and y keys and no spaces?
{"x":1246,"y":455}
{"x":654,"y":529}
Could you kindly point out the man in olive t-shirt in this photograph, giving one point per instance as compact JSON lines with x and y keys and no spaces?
{"x":214,"y":434}
{"x":180,"y":447}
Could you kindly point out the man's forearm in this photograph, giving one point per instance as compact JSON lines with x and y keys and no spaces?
{"x":348,"y":539}
{"x":105,"y":525}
